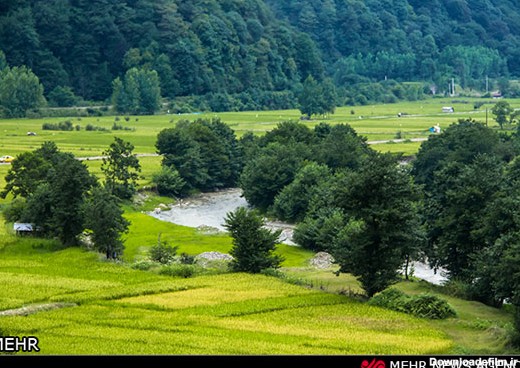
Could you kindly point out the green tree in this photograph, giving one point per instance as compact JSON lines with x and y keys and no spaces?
{"x":501,"y":111}
{"x":168,"y":182}
{"x":380,"y":202}
{"x":105,"y":221}
{"x":292,"y":203}
{"x":55,"y":204}
{"x":121,"y":168}
{"x":205,"y":153}
{"x":138,"y":93}
{"x":310,"y":97}
{"x":265,"y":175}
{"x":20,"y":90}
{"x":62,"y":97}
{"x":460,"y":142}
{"x":29,"y":170}
{"x":253,"y":244}
{"x":69,"y":182}
{"x":453,"y":216}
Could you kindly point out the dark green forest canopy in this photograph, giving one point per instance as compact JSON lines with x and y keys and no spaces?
{"x":247,"y":47}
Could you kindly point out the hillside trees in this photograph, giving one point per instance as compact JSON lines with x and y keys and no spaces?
{"x":139,"y":93}
{"x":317,"y":98}
{"x":20,"y":90}
{"x":234,"y":48}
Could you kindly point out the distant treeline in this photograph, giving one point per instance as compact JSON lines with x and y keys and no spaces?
{"x":254,"y":54}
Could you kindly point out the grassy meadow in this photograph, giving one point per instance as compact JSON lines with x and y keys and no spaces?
{"x":76,"y":302}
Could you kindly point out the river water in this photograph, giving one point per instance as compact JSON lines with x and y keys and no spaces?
{"x":209,"y":210}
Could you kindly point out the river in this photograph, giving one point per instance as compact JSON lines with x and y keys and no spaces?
{"x":209,"y":210}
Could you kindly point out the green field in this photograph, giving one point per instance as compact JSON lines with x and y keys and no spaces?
{"x":375,"y":122}
{"x":75,"y":302}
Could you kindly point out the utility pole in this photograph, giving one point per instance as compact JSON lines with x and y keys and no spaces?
{"x":453,"y":86}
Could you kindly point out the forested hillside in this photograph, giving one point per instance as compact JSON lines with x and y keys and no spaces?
{"x":241,"y":54}
{"x":411,"y":40}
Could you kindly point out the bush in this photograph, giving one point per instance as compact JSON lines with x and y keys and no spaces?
{"x":163,"y":253}
{"x":187,"y":259}
{"x":423,"y":305}
{"x":178,"y":270}
{"x":168,"y":182}
{"x":144,"y":265}
{"x":62,"y":125}
{"x":430,"y":306}
{"x":391,"y":299}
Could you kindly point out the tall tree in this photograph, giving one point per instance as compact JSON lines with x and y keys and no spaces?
{"x":380,"y":201}
{"x":253,"y":244}
{"x":501,"y":110}
{"x":104,"y":219}
{"x":121,"y":168}
{"x":20,"y":90}
{"x":138,"y":93}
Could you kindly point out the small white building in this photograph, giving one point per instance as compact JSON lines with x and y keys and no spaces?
{"x":22,"y":228}
{"x":448,"y":109}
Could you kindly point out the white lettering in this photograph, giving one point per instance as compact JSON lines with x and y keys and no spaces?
{"x":15,"y":344}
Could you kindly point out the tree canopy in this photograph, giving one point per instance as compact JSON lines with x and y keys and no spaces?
{"x":258,"y":53}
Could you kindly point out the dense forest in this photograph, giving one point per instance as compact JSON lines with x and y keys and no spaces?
{"x":249,"y":54}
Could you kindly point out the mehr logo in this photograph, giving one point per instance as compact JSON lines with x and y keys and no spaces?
{"x":375,"y":363}
{"x":14,"y":344}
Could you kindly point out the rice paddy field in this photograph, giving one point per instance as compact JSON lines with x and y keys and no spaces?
{"x":77,"y":303}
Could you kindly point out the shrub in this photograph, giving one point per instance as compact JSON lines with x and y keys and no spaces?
{"x":178,"y":270}
{"x":390,"y":299}
{"x":430,"y":306}
{"x":169,"y":182}
{"x":423,"y":305}
{"x":62,"y":125}
{"x":187,"y":259}
{"x":143,"y":265}
{"x":163,"y":253}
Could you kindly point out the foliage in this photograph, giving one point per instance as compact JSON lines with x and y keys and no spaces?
{"x":121,"y":168}
{"x":422,"y":305}
{"x":162,"y":252}
{"x":291,"y":204}
{"x":168,"y":182}
{"x":383,"y":225}
{"x":501,"y":111}
{"x":178,"y":270}
{"x":105,"y":222}
{"x":273,"y":168}
{"x":316,"y":98}
{"x":62,"y":125}
{"x":62,"y":97}
{"x":462,"y":170}
{"x":204,"y":153}
{"x":253,"y":244}
{"x":139,"y":93}
{"x":20,"y":91}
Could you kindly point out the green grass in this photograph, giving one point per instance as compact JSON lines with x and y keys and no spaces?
{"x":120,"y":310}
{"x":123,"y":311}
{"x":376,"y":122}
